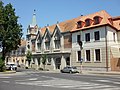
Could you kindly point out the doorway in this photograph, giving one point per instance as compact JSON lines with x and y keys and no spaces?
{"x":57,"y":63}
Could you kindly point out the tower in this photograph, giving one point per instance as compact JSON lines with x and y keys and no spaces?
{"x":31,"y":34}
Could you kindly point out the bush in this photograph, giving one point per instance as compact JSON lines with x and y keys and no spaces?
{"x":2,"y":65}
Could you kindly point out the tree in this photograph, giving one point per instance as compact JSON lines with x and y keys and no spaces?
{"x":44,"y":57}
{"x":10,"y":30}
{"x":29,"y":56}
{"x":2,"y":65}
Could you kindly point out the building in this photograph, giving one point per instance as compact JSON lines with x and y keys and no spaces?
{"x":97,"y":32}
{"x":18,"y":56}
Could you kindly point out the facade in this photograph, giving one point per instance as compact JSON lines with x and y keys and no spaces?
{"x":99,"y":36}
{"x":18,"y":56}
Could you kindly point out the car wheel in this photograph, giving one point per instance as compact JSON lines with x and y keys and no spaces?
{"x":70,"y":72}
{"x":61,"y":71}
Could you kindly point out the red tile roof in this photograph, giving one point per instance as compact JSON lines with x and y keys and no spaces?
{"x":116,"y":22}
{"x":71,"y":25}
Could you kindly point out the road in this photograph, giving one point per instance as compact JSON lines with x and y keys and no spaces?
{"x":33,"y":80}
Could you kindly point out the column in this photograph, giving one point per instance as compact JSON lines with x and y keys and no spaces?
{"x":63,"y":62}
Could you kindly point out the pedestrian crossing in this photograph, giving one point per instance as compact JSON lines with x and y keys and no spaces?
{"x":67,"y":84}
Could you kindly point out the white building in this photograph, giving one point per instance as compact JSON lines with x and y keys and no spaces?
{"x":98,"y":32}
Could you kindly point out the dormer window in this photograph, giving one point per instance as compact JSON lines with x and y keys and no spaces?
{"x":110,"y":20}
{"x":87,"y":22}
{"x":96,"y":20}
{"x":79,"y":24}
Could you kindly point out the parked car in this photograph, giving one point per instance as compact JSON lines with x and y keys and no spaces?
{"x":11,"y":66}
{"x":69,"y":69}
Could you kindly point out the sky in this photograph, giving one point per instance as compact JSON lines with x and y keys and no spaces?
{"x":51,"y":11}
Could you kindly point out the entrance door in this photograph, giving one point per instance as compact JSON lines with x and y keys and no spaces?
{"x":58,"y":63}
{"x":68,"y":61}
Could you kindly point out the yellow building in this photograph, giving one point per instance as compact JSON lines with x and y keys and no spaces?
{"x":18,"y":56}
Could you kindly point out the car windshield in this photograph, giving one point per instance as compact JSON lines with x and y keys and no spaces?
{"x":74,"y":67}
{"x":11,"y":64}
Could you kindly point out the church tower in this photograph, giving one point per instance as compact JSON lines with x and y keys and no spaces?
{"x":31,"y":34}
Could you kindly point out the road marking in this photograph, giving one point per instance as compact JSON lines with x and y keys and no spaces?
{"x":103,"y":80}
{"x":71,"y":84}
{"x":116,"y":82}
{"x":32,"y":79}
{"x":6,"y":81}
{"x":5,"y":77}
{"x":109,"y":81}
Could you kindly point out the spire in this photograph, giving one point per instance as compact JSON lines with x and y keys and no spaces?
{"x":34,"y":19}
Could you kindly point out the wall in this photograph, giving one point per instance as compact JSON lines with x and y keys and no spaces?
{"x":92,"y":45}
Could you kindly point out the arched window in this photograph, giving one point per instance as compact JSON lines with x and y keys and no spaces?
{"x":87,"y":22}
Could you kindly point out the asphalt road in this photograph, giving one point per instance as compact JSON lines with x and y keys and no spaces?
{"x":33,"y":80}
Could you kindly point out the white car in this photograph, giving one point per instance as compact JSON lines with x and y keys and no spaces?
{"x":69,"y":69}
{"x":11,"y":66}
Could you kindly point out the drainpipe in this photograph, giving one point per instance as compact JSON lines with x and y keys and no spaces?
{"x":106,"y":49}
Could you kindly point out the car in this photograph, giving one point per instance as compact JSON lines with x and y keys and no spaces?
{"x":69,"y":69}
{"x":11,"y":66}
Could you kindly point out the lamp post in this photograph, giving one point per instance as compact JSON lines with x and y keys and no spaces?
{"x":81,"y":60}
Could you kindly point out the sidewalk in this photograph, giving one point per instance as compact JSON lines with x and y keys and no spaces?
{"x":89,"y":72}
{"x":101,"y":72}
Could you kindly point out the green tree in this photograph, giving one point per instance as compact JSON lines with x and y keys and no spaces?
{"x":10,"y":30}
{"x":2,"y":65}
{"x":44,"y":57}
{"x":29,"y":56}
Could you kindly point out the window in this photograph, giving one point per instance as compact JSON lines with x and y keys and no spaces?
{"x":79,"y":55}
{"x":97,"y":54}
{"x":14,"y":60}
{"x":22,"y":61}
{"x":49,"y":61}
{"x":57,"y":44}
{"x":39,"y":46}
{"x":79,"y":24}
{"x":23,"y":51}
{"x":114,"y":37}
{"x":68,"y":61}
{"x":87,"y":37}
{"x":87,"y":55}
{"x":97,"y":35}
{"x":47,"y":45}
{"x":96,"y":20}
{"x":14,"y":52}
{"x":78,"y":38}
{"x":28,"y":46}
{"x":87,"y":22}
{"x":18,"y":52}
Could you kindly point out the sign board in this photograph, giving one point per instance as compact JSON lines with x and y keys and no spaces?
{"x":81,"y":60}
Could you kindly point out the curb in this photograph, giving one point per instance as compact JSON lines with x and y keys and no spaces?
{"x":8,"y":72}
{"x":103,"y":73}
